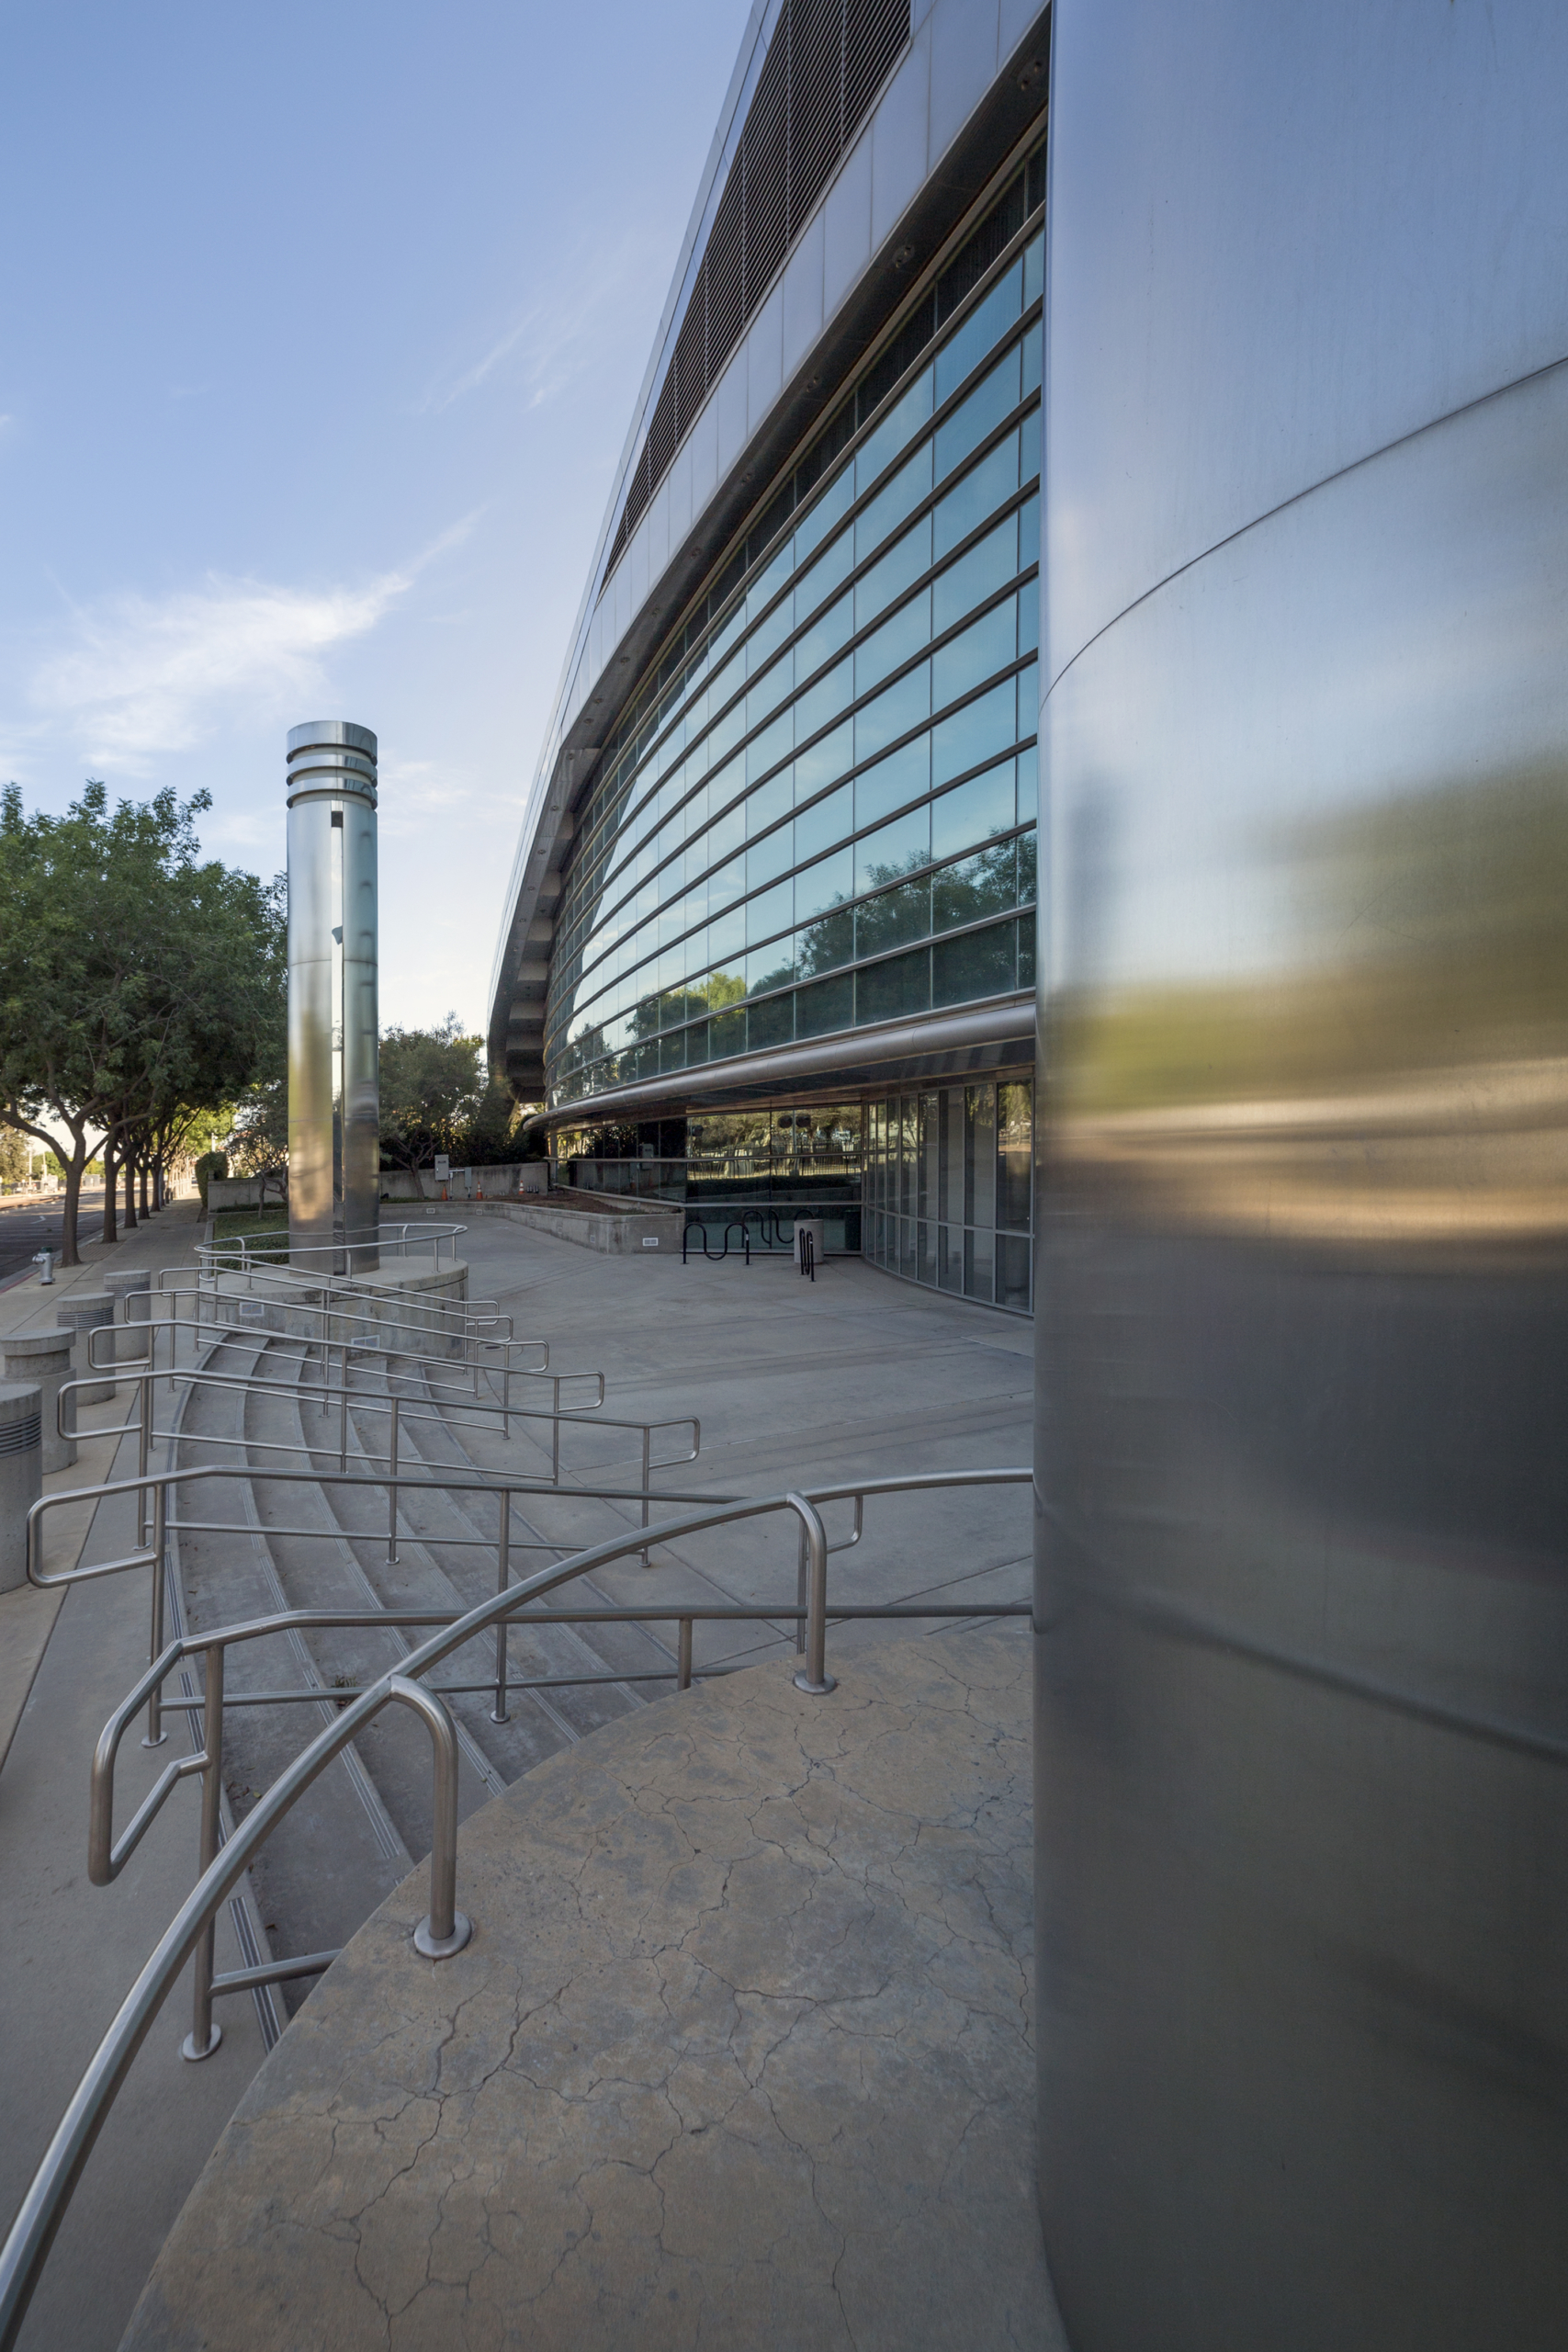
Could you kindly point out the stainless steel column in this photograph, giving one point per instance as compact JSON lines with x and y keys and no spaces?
{"x":334,"y":1089}
{"x":1302,"y":1590}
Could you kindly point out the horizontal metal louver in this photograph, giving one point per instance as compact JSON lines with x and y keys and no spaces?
{"x":825,"y":64}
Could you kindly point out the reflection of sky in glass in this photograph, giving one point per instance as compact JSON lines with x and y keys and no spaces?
{"x":1334,"y":656}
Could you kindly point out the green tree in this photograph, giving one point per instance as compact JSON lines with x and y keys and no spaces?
{"x":432,"y":1085}
{"x":15,"y":1156}
{"x":137,"y":983}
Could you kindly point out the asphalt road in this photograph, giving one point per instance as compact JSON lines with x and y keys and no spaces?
{"x":27,"y":1226}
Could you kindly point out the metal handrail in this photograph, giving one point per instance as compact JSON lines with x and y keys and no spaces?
{"x":375,"y":1238}
{"x":42,"y":2208}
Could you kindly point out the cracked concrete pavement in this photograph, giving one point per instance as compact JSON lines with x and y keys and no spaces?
{"x":740,"y":2054}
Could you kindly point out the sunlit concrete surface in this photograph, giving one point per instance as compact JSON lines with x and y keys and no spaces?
{"x":740,"y":2053}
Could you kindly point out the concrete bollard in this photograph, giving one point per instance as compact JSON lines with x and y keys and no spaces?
{"x":45,"y":1357}
{"x":131,"y":1293}
{"x":84,"y":1312}
{"x":21,"y":1475}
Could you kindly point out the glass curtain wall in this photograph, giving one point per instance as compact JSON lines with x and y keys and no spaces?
{"x":948,"y":1195}
{"x":821,"y":811}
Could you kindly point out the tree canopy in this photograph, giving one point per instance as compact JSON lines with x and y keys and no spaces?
{"x":140,"y":985}
{"x":437,"y":1096}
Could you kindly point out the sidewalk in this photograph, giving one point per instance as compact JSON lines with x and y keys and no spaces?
{"x":70,"y":1951}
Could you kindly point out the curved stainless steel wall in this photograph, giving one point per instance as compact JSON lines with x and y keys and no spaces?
{"x":1301,"y":1597}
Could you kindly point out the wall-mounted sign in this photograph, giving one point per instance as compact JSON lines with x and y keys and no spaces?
{"x":443,"y":1167}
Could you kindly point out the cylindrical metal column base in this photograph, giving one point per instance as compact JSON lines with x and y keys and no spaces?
{"x":21,"y":1474}
{"x":82,"y":1312}
{"x":44,"y":1357}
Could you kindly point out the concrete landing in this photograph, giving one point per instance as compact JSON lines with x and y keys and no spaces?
{"x":740,"y":2053}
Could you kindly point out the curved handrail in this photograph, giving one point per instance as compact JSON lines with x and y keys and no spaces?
{"x":42,"y":2208}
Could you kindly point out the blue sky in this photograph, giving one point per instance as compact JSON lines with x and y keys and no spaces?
{"x":320,"y":331}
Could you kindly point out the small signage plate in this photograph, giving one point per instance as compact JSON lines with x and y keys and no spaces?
{"x":651,"y":1240}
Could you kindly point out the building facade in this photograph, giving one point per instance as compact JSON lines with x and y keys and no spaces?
{"x":771,"y":926}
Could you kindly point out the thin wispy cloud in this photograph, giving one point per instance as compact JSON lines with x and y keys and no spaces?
{"x":142,"y":676}
{"x":559,"y":334}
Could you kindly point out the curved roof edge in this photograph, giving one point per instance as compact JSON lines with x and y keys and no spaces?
{"x":966,"y":88}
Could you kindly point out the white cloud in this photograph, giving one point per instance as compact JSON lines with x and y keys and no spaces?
{"x":559,"y":335}
{"x":148,"y":674}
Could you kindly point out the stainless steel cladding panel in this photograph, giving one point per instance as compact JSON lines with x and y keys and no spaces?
{"x":334,"y":1089}
{"x":1302,"y":1590}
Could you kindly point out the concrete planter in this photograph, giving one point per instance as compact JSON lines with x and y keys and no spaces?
{"x":608,"y":1224}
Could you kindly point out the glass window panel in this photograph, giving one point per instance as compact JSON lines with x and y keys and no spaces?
{"x":1026,"y":938}
{"x":830,"y":571}
{"x":903,"y":775}
{"x":1013,"y":1273}
{"x":828,"y":821}
{"x":986,"y":646}
{"x":727,"y":936}
{"x":827,"y":636}
{"x":697,"y":1042}
{"x":769,"y":857}
{"x":925,"y":1266}
{"x":976,"y":963}
{"x":977,"y":733}
{"x":824,"y":884}
{"x":834,"y":503}
{"x":827,"y":1005}
{"x":1032,"y":350}
{"x":893,"y":918}
{"x":1028,"y":784}
{"x":950,"y":1257}
{"x":1028,"y":616}
{"x":975,"y":887}
{"x":827,"y":759}
{"x":894,"y":850}
{"x":889,"y":507}
{"x":979,"y":1247}
{"x":989,"y":319}
{"x":1029,"y":532}
{"x":770,"y":1023}
{"x":898,"y":570}
{"x":902,"y":985}
{"x":771,"y":579}
{"x":978,"y":494}
{"x":773,"y":744}
{"x":898,"y":426}
{"x":825,"y":700}
{"x":906,"y":1261}
{"x":1015,"y":1139}
{"x":726,"y":733}
{"x":1026,"y":868}
{"x":993,"y":398}
{"x":987,"y":567}
{"x":897,"y":710}
{"x":973,"y":811}
{"x":1033,"y":270}
{"x":772,"y":911}
{"x":980,"y":1155}
{"x":772,"y":967}
{"x":730,"y":681}
{"x":727,"y":1034}
{"x":822,"y":947}
{"x":897,"y":641}
{"x":769,"y":803}
{"x":951,"y":1203}
{"x":728,"y":883}
{"x":697,"y":953}
{"x":672,"y":965}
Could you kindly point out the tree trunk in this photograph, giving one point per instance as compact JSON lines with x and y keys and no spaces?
{"x":130,"y":1166}
{"x":144,"y":1210}
{"x":71,"y":1207}
{"x":111,"y":1177}
{"x":158,"y":1184}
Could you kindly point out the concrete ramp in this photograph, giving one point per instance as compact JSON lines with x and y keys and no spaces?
{"x":741,"y":2053}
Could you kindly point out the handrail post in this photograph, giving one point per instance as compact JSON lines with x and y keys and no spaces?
{"x":392,"y":1491}
{"x":503,"y":1578}
{"x":683,"y":1656}
{"x":156,"y":1734}
{"x":813,"y":1677}
{"x":555,"y":1430}
{"x":507,"y":1397}
{"x":144,"y":1443}
{"x":443,"y":1930}
{"x":203,"y":2036}
{"x":342,"y":1411}
{"x":646,"y":1473}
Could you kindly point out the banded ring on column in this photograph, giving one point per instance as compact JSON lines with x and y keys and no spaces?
{"x":333,"y":1068}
